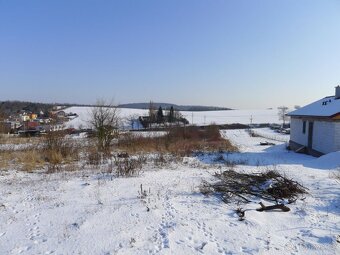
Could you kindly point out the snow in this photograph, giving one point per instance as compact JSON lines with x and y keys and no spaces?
{"x":233,"y":116}
{"x":15,"y":147}
{"x":330,"y":160}
{"x":197,"y":118}
{"x":84,"y":114}
{"x":91,"y":212}
{"x":324,"y":107}
{"x":271,"y":134}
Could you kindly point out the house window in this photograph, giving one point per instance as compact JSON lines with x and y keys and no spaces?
{"x":304,"y":127}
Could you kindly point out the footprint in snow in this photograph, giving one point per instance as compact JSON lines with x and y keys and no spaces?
{"x":20,"y":250}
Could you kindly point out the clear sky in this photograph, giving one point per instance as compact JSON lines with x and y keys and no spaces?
{"x":240,"y":54}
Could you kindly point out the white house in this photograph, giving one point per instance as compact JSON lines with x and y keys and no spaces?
{"x":315,"y":128}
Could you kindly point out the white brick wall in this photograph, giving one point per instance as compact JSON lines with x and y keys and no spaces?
{"x":296,"y":134}
{"x":326,"y":135}
{"x":337,"y":136}
{"x":323,"y":136}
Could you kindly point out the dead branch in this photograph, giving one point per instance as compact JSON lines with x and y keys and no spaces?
{"x":273,"y":207}
{"x":270,"y":186}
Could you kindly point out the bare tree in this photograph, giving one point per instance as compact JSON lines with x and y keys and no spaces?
{"x":104,"y":119}
{"x":133,"y":120}
{"x":283,"y":110}
{"x":152,"y":112}
{"x":2,"y":121}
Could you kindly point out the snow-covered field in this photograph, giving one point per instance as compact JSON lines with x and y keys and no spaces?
{"x":233,"y":116}
{"x":197,"y":118}
{"x":84,"y":114}
{"x":87,"y":212}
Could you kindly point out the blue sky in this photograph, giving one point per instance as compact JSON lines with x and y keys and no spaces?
{"x":240,"y":54}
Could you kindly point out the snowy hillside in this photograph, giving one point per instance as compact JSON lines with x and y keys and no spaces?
{"x":85,"y":112}
{"x":198,"y":118}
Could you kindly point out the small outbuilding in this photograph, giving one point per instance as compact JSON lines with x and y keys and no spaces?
{"x":315,"y":128}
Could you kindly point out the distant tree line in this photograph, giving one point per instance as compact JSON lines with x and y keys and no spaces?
{"x":11,"y":107}
{"x":190,"y":108}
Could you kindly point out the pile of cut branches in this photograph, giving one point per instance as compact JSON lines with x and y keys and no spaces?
{"x":244,"y":187}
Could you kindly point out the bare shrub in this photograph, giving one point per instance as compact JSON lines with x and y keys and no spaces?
{"x":93,"y":156}
{"x":142,"y":195}
{"x":213,"y":133}
{"x":2,"y":122}
{"x":141,"y":158}
{"x":128,"y":166}
{"x":160,"y":160}
{"x":57,"y":150}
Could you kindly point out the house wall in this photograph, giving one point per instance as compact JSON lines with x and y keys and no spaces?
{"x":25,"y":118}
{"x":337,"y":136}
{"x":323,"y":136}
{"x":296,"y":133}
{"x":326,"y":134}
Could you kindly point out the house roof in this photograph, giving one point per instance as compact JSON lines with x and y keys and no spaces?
{"x":325,"y":107}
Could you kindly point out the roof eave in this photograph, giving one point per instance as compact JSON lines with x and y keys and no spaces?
{"x":336,"y":116}
{"x":310,"y":116}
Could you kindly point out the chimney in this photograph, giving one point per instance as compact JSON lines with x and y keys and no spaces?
{"x":337,"y":92}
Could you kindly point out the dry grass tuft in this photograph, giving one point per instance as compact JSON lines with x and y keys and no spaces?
{"x":56,"y":152}
{"x":27,"y":160}
{"x":31,"y":160}
{"x":15,"y":139}
{"x":93,"y":156}
{"x":52,"y":150}
{"x":59,"y":150}
{"x":336,"y":175}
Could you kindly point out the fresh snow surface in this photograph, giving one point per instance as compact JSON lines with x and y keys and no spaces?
{"x":271,"y":134}
{"x":325,"y":107}
{"x":89,"y":212}
{"x":233,"y":116}
{"x":197,"y":118}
